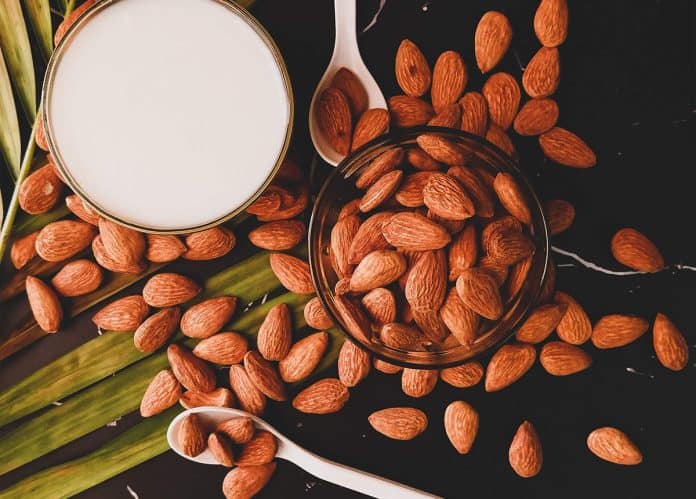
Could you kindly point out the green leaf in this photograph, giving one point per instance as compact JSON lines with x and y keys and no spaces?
{"x":40,"y":17}
{"x":10,"y":141}
{"x":14,"y":41}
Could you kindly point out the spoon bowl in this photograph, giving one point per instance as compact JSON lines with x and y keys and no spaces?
{"x":346,"y":54}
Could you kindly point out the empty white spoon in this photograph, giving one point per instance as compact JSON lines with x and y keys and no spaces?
{"x":324,"y":469}
{"x":346,"y":54}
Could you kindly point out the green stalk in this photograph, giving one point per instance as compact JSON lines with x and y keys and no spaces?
{"x":109,"y":399}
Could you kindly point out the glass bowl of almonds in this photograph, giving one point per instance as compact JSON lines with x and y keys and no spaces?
{"x":427,"y":247}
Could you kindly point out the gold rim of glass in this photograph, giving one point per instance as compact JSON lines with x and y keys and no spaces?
{"x":65,"y":173}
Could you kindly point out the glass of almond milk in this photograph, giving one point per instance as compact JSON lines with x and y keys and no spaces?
{"x":167,"y":116}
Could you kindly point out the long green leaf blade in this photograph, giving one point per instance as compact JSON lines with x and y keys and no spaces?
{"x":14,"y":40}
{"x":10,"y":140}
{"x":40,"y":17}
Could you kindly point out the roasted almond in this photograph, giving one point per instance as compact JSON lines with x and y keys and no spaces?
{"x":380,"y":305}
{"x":491,"y":40}
{"x":575,"y":326}
{"x":412,"y":70}
{"x":292,"y":273}
{"x":525,"y":455}
{"x":517,"y":277}
{"x":463,"y":253}
{"x":247,"y":481}
{"x":208,"y":317}
{"x":399,"y":423}
{"x":192,"y":435}
{"x":220,"y":397}
{"x":342,"y":236}
{"x":77,"y":278}
{"x":63,"y":239}
{"x":377,"y":269}
{"x":239,"y":430}
{"x":670,"y":345}
{"x":44,"y":304}
{"x":378,"y":167}
{"x":381,"y":190}
{"x":461,"y":425}
{"x":509,"y":364}
{"x":40,"y":191}
{"x":410,"y":192}
{"x":418,"y":382}
{"x":266,"y":204}
{"x":192,"y":372}
{"x":497,"y":136}
{"x":463,"y":376}
{"x":429,"y":321}
{"x":323,"y":397}
{"x":427,"y":281}
{"x":353,"y":317}
{"x":163,"y":392}
{"x":209,"y":244}
{"x":125,"y":314}
{"x":536,"y":117}
{"x":105,"y":260}
{"x":441,"y":149}
{"x":474,"y":113}
{"x":559,"y":215}
{"x":81,"y":210}
{"x":449,"y":79}
{"x":543,"y":73}
{"x":406,"y":111}
{"x":348,"y":83}
{"x":503,"y":96}
{"x":477,"y":190}
{"x":566,"y":148}
{"x":449,"y":117}
{"x":23,"y":250}
{"x":551,"y":22}
{"x":386,"y":367}
{"x":221,"y":449}
{"x":125,"y":246}
{"x":334,"y":119}
{"x":369,"y":237}
{"x":421,"y":160}
{"x":264,"y":376}
{"x":250,"y":398}
{"x":280,"y":235}
{"x":353,"y":364}
{"x":261,"y":449}
{"x":168,"y":289}
{"x":222,"y":348}
{"x":445,"y":197}
{"x":508,"y":246}
{"x":316,"y":315}
{"x":372,"y":124}
{"x":541,"y":323}
{"x":162,"y":248}
{"x":303,"y":357}
{"x":613,"y":445}
{"x":350,"y":208}
{"x":634,"y":250}
{"x":512,"y":198}
{"x":299,"y":204}
{"x":157,"y":330}
{"x":459,"y":319}
{"x":561,"y":359}
{"x":412,"y":231}
{"x":478,"y":290}
{"x":275,"y":333}
{"x":617,"y":330}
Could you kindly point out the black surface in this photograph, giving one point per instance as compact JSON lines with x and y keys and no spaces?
{"x":628,"y":88}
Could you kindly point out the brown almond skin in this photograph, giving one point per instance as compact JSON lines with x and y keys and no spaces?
{"x":168,"y":289}
{"x":536,"y":117}
{"x":353,"y":317}
{"x":410,"y":192}
{"x":412,"y":231}
{"x":418,"y":382}
{"x":463,"y":376}
{"x":426,"y":285}
{"x":156,"y":330}
{"x":449,"y":117}
{"x":81,"y":210}
{"x":209,"y":244}
{"x":192,"y":372}
{"x":122,"y":244}
{"x":559,"y":215}
{"x":300,"y":203}
{"x":399,"y":423}
{"x":222,"y":348}
{"x":323,"y":397}
{"x":44,"y":304}
{"x":381,"y":165}
{"x":478,"y":290}
{"x":491,"y":40}
{"x":243,"y":482}
{"x":562,"y":359}
{"x":406,"y":111}
{"x":316,"y":316}
{"x":479,"y":192}
{"x":377,"y":269}
{"x":346,"y":81}
{"x":575,"y":326}
{"x":221,"y":448}
{"x":498,"y":271}
{"x":412,"y":70}
{"x":372,"y":124}
{"x":77,"y":278}
{"x":551,"y":22}
{"x":353,"y":364}
{"x":512,"y":198}
{"x":463,"y":253}
{"x":125,"y":314}
{"x":461,"y":425}
{"x":63,"y":239}
{"x":448,"y":81}
{"x":40,"y":191}
{"x":617,"y":330}
{"x":334,"y":119}
{"x":474,"y":113}
{"x":268,"y":203}
{"x":634,"y":250}
{"x":442,"y":149}
{"x":517,"y":277}
{"x":386,"y":367}
{"x":303,"y":357}
{"x":192,"y":436}
{"x":445,"y":197}
{"x":250,"y":398}
{"x":503,"y":96}
{"x":292,"y":273}
{"x":40,"y":137}
{"x":508,"y":246}
{"x":342,"y":236}
{"x":508,"y":365}
{"x":613,"y":445}
{"x":275,"y":333}
{"x":206,"y":318}
{"x":162,"y":249}
{"x":163,"y":392}
{"x":566,"y":148}
{"x":526,"y":455}
{"x":23,"y":250}
{"x":543,"y":73}
{"x":106,"y":261}
{"x":264,"y":376}
{"x":421,"y":160}
{"x":401,"y":336}
{"x":220,"y":397}
{"x":462,"y":322}
{"x":369,"y":237}
{"x":541,"y":322}
{"x":261,"y":449}
{"x":280,"y":235}
{"x":380,"y":305}
{"x":239,"y":429}
{"x":670,"y":345}
{"x":381,"y":190}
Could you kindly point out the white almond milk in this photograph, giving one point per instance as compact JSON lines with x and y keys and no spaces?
{"x":168,"y":114}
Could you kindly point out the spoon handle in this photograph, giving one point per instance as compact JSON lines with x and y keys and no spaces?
{"x":351,"y":478}
{"x":346,"y":43}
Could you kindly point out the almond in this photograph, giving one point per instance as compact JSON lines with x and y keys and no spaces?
{"x":412,"y":70}
{"x":350,"y":208}
{"x":209,"y":244}
{"x":462,"y":376}
{"x":342,"y":236}
{"x":292,"y":273}
{"x":353,"y":318}
{"x":459,"y":319}
{"x":163,"y":249}
{"x":239,"y":430}
{"x":551,"y":22}
{"x":670,"y":345}
{"x":449,"y":79}
{"x":512,"y":198}
{"x":250,"y":398}
{"x":372,"y":124}
{"x":264,"y":376}
{"x":543,"y":73}
{"x":497,"y":270}
{"x":369,"y":237}
{"x":508,"y":246}
{"x":452,"y":226}
{"x":461,"y":425}
{"x":474,"y":113}
{"x":503,"y":96}
{"x":378,"y":167}
{"x":40,"y":137}
{"x":125,"y":246}
{"x":536,"y":117}
{"x":517,"y":277}
{"x":442,"y":149}
{"x":561,"y":359}
{"x":222,"y":348}
{"x":221,"y":449}
{"x":613,"y":445}
{"x":247,"y":481}
{"x":427,"y":281}
{"x":407,"y":112}
{"x":105,"y":260}
{"x":168,"y":289}
{"x":23,"y":250}
{"x":482,"y":197}
{"x":381,"y":190}
{"x":192,"y":435}
{"x":463,"y":253}
{"x":410,"y":192}
{"x":323,"y":397}
{"x":348,"y":83}
{"x":575,"y":326}
{"x":40,"y":191}
{"x":162,"y":393}
{"x":77,"y":278}
{"x":278,"y":236}
{"x":445,"y":197}
{"x":81,"y":210}
{"x":478,"y":291}
{"x":125,"y":314}
{"x":617,"y":330}
{"x":45,"y":306}
{"x":261,"y":449}
{"x":412,"y":231}
{"x":418,"y":382}
{"x":266,"y":204}
{"x":380,"y":305}
{"x":316,"y":315}
{"x":377,"y":269}
{"x":509,"y":364}
{"x":296,"y":208}
{"x":220,"y":397}
{"x":353,"y":364}
{"x":399,"y":423}
{"x":275,"y":334}
{"x":63,"y":239}
{"x":541,"y":323}
{"x":157,"y":330}
{"x":636,"y":251}
{"x":208,"y":317}
{"x":303,"y":357}
{"x":449,"y":117}
{"x":430,"y":322}
{"x":421,"y":160}
{"x":525,"y":455}
{"x":192,"y":372}
{"x":559,"y":215}
{"x":491,"y":40}
{"x":566,"y":148}
{"x":386,"y":367}
{"x":334,"y":119}
{"x":69,"y":20}
{"x":497,"y":136}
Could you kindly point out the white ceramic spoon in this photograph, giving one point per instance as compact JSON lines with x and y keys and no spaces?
{"x":324,"y":469}
{"x":346,"y":54}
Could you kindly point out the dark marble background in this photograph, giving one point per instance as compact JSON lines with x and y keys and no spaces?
{"x":627,"y":87}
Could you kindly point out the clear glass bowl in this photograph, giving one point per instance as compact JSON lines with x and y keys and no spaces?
{"x":340,"y":188}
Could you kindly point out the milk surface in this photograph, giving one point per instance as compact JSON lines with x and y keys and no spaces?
{"x":168,"y":114}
